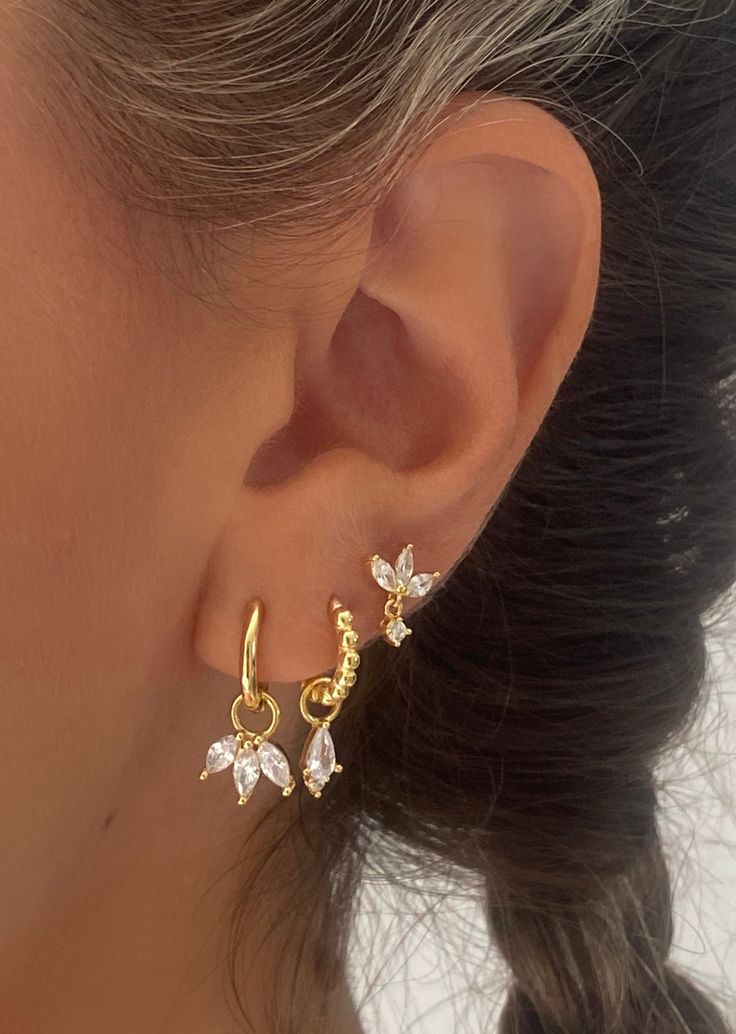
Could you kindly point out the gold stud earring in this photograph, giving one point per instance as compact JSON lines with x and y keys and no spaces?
{"x":251,"y":753}
{"x":399,"y":582}
{"x":318,"y":761}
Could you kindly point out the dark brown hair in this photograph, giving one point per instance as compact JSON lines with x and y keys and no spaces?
{"x":518,"y":733}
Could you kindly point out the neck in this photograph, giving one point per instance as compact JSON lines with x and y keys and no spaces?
{"x":137,"y":933}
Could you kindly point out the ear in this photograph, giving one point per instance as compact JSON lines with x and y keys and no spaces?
{"x":419,"y":389}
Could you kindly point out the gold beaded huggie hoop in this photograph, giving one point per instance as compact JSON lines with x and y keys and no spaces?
{"x":251,"y":753}
{"x":399,"y":581}
{"x":318,"y":757}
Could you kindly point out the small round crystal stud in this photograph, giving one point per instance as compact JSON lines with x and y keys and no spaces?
{"x":397,"y":631}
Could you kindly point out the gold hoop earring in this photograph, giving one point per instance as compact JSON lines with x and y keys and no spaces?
{"x":249,"y":752}
{"x":318,"y":762}
{"x":399,"y":582}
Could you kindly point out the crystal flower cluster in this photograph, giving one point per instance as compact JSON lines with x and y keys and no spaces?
{"x":399,"y":581}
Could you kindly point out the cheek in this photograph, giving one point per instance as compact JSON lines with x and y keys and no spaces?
{"x":80,"y":446}
{"x":82,"y":449}
{"x":77,"y":461}
{"x":102,"y":546}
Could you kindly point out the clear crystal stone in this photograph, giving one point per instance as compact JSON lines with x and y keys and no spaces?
{"x":405,"y":565}
{"x":420,"y":584}
{"x":383,"y":572}
{"x":274,"y":764}
{"x":221,"y":754}
{"x":396,"y":630}
{"x":246,"y":771}
{"x":320,"y":758}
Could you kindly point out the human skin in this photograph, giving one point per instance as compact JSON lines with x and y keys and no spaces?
{"x":406,"y":363}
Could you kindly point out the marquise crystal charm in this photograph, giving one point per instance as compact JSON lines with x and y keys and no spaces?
{"x":251,"y":755}
{"x":275,"y":766}
{"x":318,"y":760}
{"x":399,"y":582}
{"x":246,"y":772}
{"x":221,"y":755}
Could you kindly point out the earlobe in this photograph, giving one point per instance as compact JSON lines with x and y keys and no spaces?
{"x":470,"y":302}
